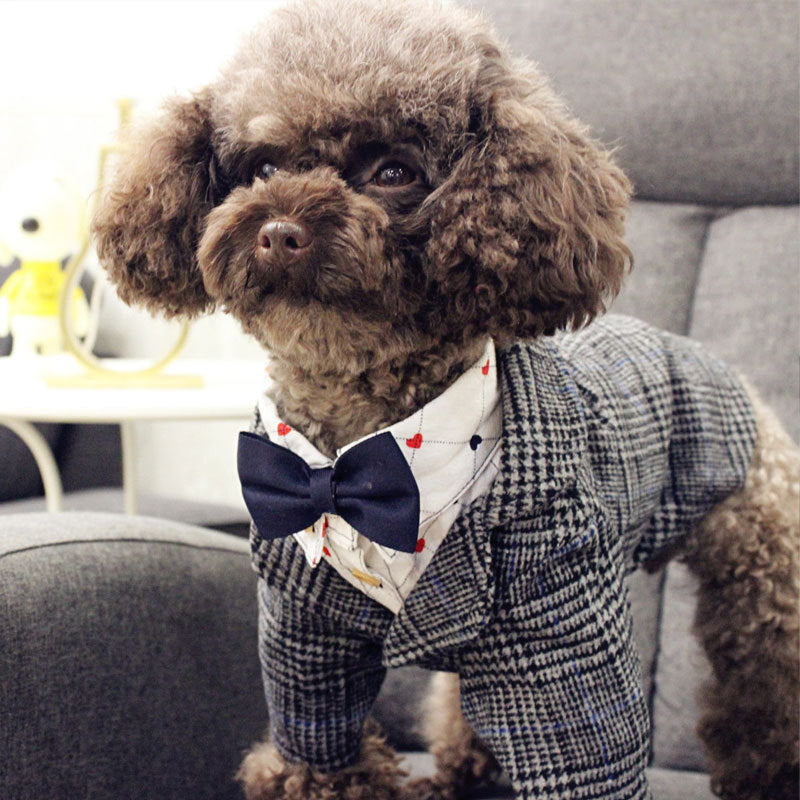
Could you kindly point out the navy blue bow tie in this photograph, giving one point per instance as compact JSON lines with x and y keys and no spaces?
{"x":370,"y":485}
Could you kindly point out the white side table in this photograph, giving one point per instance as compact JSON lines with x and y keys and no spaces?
{"x":229,"y":391}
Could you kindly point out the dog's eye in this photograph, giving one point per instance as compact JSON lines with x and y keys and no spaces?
{"x":394,"y":174}
{"x":266,"y":170}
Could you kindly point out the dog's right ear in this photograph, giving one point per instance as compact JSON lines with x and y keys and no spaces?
{"x":528,"y":229}
{"x":149,"y":222}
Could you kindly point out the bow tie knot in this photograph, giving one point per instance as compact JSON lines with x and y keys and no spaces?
{"x":323,"y":491}
{"x":370,"y":485}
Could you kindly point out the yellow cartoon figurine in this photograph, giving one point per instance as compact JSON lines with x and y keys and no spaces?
{"x":41,"y":221}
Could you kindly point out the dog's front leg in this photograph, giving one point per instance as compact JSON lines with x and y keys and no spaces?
{"x":320,"y":682}
{"x":266,"y":775}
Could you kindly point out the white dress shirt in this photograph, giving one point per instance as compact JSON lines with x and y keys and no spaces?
{"x":452,"y":446}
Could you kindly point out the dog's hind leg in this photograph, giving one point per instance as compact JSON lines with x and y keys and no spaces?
{"x":463,"y":762}
{"x":745,"y":554}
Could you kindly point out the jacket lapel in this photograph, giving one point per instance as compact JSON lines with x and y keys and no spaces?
{"x":544,"y":434}
{"x":544,"y":443}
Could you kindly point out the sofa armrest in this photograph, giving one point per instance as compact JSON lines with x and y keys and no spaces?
{"x":128,"y":665}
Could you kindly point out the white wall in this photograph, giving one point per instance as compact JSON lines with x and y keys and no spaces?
{"x":62,"y":66}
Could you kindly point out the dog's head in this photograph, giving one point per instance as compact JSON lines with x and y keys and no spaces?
{"x":365,"y":179}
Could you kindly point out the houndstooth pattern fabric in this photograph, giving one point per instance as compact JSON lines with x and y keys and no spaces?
{"x":616,"y":441}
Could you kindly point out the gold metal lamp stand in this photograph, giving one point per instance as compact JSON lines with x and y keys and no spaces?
{"x":98,"y":372}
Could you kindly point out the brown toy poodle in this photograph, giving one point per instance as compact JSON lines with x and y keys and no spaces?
{"x":376,"y":191}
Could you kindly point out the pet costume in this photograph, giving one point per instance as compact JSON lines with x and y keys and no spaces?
{"x":452,"y":447}
{"x":616,"y":441}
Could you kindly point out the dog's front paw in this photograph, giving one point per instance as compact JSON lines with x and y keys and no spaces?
{"x":264,"y":773}
{"x":377,"y":775}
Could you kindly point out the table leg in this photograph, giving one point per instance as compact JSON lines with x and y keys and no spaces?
{"x":48,"y":469}
{"x":130,"y":504}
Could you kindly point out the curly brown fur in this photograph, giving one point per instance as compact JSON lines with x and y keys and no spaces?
{"x":510,"y":226}
{"x":746,"y":554}
{"x":266,"y":775}
{"x":147,"y":229}
{"x":337,"y":407}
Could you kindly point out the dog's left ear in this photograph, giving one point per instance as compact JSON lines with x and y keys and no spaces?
{"x":527,"y":231}
{"x":149,"y":222}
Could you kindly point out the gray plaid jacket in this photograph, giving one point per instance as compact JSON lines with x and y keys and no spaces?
{"x":616,"y":441}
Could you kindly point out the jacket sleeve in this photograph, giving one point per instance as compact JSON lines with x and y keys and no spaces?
{"x":553,"y":685}
{"x":320,"y":683}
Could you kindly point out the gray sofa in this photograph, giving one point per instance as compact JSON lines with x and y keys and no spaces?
{"x":128,"y":665}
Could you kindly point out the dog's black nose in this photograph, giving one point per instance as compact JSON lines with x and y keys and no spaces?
{"x":30,"y":225}
{"x":286,"y":239}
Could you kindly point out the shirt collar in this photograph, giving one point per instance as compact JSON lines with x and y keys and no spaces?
{"x":446,"y":443}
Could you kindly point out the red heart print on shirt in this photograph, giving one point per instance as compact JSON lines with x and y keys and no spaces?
{"x":283,"y":429}
{"x":415,"y":441}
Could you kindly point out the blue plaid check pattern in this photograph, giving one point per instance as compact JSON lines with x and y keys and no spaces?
{"x":617,"y":440}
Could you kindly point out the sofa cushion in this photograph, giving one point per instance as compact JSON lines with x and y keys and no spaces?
{"x":675,"y":784}
{"x":666,"y":240}
{"x":746,"y":302}
{"x":666,"y":784}
{"x":216,"y":516}
{"x":681,"y":670}
{"x":700,"y":98}
{"x":644,"y":594}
